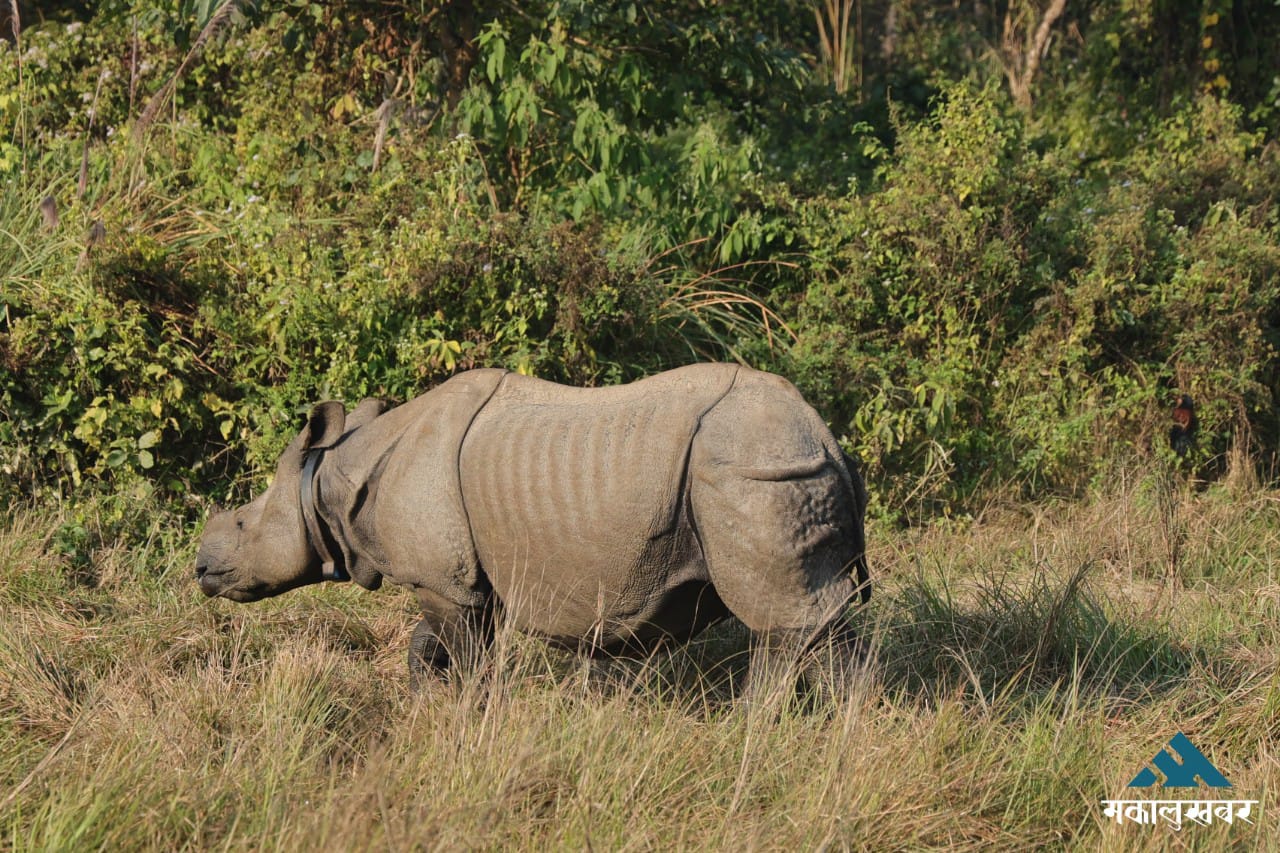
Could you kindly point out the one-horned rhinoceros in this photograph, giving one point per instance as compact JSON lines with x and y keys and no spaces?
{"x":602,"y":519}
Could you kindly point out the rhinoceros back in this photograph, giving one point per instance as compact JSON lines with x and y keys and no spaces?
{"x":577,"y":500}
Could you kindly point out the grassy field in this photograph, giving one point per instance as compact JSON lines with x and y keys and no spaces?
{"x":1026,"y":665}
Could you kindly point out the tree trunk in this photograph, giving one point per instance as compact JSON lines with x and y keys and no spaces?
{"x":1022,"y":50}
{"x":889,"y":41}
{"x":458,"y":38}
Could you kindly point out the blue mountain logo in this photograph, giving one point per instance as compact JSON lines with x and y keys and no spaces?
{"x":1181,"y":763}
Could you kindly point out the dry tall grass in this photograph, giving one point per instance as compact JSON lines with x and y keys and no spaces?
{"x":1026,"y":667}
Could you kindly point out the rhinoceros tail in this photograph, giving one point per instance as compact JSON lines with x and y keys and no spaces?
{"x":859,"y":523}
{"x":864,"y":578}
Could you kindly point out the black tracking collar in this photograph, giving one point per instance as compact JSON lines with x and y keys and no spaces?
{"x":331,"y":564}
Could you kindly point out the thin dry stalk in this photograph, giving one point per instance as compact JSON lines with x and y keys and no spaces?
{"x":82,"y":185}
{"x":15,"y":24}
{"x":1242,"y":469}
{"x":1175,"y":531}
{"x":161,"y":97}
{"x":133,"y":64}
{"x":645,"y":268}
{"x":840,"y":50}
{"x":44,"y":762}
{"x":692,"y":296}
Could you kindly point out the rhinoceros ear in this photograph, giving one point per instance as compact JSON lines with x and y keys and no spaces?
{"x":326,"y":425}
{"x":369,"y":408}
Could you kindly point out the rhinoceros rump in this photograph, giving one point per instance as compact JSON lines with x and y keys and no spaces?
{"x":601,"y":519}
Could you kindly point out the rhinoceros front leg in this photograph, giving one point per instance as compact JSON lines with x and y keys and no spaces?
{"x":427,"y":655}
{"x":449,"y":641}
{"x":836,"y":662}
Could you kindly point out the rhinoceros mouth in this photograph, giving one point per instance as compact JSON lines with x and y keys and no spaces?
{"x":241,"y":595}
{"x":211,"y":582}
{"x":221,"y":582}
{"x":216,"y":585}
{"x":235,"y":586}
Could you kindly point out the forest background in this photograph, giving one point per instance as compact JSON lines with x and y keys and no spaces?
{"x":990,"y":240}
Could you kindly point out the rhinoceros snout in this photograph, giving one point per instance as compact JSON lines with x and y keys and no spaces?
{"x":203,"y":574}
{"x":209,"y":581}
{"x":212,"y":575}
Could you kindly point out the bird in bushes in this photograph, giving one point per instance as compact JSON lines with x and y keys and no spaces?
{"x":1183,"y":432}
{"x":49,"y":210}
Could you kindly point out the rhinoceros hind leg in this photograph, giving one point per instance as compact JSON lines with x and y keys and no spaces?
{"x":824,"y":666}
{"x":428,"y":657}
{"x":836,"y":663}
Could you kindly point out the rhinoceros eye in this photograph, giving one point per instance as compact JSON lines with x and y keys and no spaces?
{"x":239,"y":524}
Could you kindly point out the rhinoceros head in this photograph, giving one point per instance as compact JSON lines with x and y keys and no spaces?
{"x":263,"y":548}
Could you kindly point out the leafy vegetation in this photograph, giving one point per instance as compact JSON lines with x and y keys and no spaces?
{"x":249,"y":206}
{"x":288,"y":200}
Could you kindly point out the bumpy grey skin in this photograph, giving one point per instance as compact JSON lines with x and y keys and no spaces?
{"x":604,"y":520}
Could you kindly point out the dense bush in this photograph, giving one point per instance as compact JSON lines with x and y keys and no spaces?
{"x":297,"y":200}
{"x":990,"y":311}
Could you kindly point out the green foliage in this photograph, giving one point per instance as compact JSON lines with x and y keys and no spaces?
{"x":922,"y":284}
{"x":989,"y":313}
{"x":1177,"y":289}
{"x":599,"y":127}
{"x":272,"y":268}
{"x":357,"y":198}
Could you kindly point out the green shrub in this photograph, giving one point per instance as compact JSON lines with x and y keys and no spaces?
{"x":990,"y":314}
{"x":341,"y":200}
{"x":926,"y":279}
{"x":1177,"y":292}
